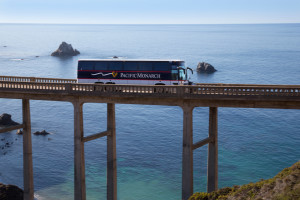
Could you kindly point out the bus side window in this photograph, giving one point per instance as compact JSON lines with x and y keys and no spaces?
{"x":101,"y":65}
{"x":130,"y":66}
{"x":145,"y":66}
{"x":86,"y":65}
{"x":115,"y":66}
{"x":162,"y":66}
{"x":175,"y":74}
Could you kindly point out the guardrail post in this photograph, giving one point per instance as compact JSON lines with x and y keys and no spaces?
{"x":79,"y":165}
{"x":32,"y":79}
{"x":180,"y":91}
{"x":212,"y":163}
{"x":187,"y":153}
{"x":27,"y":152}
{"x":111,"y":153}
{"x":68,"y":87}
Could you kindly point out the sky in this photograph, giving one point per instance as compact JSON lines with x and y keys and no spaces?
{"x":150,"y":11}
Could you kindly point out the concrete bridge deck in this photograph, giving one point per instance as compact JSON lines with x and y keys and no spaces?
{"x":187,"y":97}
{"x":206,"y":95}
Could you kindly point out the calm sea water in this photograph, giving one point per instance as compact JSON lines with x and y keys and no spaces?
{"x":253,"y":143}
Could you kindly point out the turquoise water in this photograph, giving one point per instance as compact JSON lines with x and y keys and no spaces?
{"x":253,"y":143}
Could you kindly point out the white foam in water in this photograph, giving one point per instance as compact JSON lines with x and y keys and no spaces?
{"x":17,"y":59}
{"x":38,"y":197}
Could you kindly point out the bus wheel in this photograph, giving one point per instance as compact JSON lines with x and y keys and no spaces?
{"x":159,"y":89}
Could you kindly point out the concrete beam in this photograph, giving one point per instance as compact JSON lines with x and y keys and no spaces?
{"x":202,"y":143}
{"x":11,"y":128}
{"x":95,"y":136}
{"x":203,"y":101}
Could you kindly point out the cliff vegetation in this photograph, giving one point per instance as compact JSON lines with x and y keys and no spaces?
{"x":284,"y":186}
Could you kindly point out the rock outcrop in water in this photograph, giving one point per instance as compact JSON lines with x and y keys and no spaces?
{"x":10,"y":192}
{"x":204,"y":67}
{"x":19,"y":132}
{"x":5,"y":120}
{"x":43,"y":132}
{"x":285,"y":185}
{"x":65,"y":49}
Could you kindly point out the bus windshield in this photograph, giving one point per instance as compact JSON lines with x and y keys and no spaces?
{"x":182,"y":75}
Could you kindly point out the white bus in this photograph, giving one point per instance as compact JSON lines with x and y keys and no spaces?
{"x":143,"y":72}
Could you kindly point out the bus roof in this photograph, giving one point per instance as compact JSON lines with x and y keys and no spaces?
{"x":117,"y":59}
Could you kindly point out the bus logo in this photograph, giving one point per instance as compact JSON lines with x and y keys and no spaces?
{"x":114,"y":74}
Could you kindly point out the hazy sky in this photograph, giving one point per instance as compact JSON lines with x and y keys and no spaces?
{"x":149,"y":11}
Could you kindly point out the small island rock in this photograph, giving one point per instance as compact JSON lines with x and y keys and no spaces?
{"x":65,"y":49}
{"x":43,"y":132}
{"x":5,"y":120}
{"x":205,"y":67}
{"x":10,"y":192}
{"x":19,"y":132}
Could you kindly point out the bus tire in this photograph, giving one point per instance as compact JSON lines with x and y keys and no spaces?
{"x":159,"y":89}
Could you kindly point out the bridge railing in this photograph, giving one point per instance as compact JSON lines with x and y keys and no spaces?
{"x":182,"y":91}
{"x":261,"y":90}
{"x":36,"y":79}
{"x":230,"y":84}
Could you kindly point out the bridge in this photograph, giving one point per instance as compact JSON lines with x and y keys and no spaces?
{"x":187,"y":97}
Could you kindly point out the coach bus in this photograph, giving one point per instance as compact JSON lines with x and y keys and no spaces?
{"x":144,"y":72}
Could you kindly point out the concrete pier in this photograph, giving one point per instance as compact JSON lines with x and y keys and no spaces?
{"x":27,"y":152}
{"x":79,"y":162}
{"x":212,"y":163}
{"x":187,"y":152}
{"x":111,"y":153}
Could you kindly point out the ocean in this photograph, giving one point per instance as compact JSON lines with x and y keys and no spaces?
{"x":254,"y":144}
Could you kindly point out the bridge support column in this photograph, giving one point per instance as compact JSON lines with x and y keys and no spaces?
{"x":187,"y":153}
{"x":27,"y":152}
{"x":111,"y":153}
{"x":79,"y":164}
{"x":212,"y":168}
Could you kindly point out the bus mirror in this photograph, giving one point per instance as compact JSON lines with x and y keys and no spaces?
{"x":191,"y":70}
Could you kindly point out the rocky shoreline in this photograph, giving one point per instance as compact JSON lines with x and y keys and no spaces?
{"x":5,"y":120}
{"x":10,"y":192}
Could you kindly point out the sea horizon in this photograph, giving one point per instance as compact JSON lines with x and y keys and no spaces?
{"x":55,"y":23}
